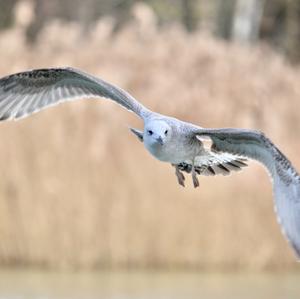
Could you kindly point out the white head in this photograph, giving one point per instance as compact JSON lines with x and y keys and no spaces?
{"x":156,"y":134}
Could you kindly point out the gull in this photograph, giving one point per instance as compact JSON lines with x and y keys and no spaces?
{"x":180,"y":143}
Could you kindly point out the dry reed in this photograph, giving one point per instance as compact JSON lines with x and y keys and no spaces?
{"x":78,"y":190}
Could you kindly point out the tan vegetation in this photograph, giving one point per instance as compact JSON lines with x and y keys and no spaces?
{"x":77,"y":189}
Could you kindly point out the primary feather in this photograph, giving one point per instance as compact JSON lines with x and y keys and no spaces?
{"x":211,"y":164}
{"x":285,"y":179}
{"x":24,"y":93}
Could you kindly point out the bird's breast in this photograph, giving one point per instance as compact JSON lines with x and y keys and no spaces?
{"x":174,"y":151}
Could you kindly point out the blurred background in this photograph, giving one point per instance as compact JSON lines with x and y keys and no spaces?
{"x":78,"y":192}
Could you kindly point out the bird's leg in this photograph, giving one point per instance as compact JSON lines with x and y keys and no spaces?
{"x":194,"y":176}
{"x":179,"y":175}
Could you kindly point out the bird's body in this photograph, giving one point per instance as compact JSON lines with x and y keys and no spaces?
{"x":167,"y":139}
{"x":176,"y":142}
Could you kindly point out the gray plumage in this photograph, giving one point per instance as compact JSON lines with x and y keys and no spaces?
{"x":168,"y":139}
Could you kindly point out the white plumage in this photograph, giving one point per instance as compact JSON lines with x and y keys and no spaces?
{"x":166,"y":138}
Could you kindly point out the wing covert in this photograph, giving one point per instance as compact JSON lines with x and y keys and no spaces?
{"x":24,"y":93}
{"x":210,"y":164}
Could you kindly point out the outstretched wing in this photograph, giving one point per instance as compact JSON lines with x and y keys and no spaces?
{"x":24,"y":93}
{"x":215,"y":163}
{"x":286,"y":181}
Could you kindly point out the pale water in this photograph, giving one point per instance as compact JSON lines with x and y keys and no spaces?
{"x":147,"y":285}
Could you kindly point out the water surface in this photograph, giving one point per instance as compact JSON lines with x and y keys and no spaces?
{"x":147,"y":285}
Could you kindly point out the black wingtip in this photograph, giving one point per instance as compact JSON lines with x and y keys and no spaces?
{"x":221,"y":166}
{"x":241,"y":162}
{"x":5,"y":116}
{"x":212,"y":171}
{"x":137,"y":133}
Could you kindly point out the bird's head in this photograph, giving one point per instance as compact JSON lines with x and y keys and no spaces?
{"x":157,"y":133}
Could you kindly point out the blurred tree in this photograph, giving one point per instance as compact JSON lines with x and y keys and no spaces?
{"x":247,"y":20}
{"x":281,"y":26}
{"x":273,"y":21}
{"x":189,"y":14}
{"x":86,"y":12}
{"x":276,"y":21}
{"x":224,"y":13}
{"x":7,"y":13}
{"x":122,"y":12}
{"x":291,"y":41}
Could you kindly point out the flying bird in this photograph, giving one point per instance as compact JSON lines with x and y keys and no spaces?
{"x":168,"y":139}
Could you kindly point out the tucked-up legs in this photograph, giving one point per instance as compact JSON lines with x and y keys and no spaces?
{"x":179,"y":175}
{"x":181,"y":178}
{"x":194,"y":176}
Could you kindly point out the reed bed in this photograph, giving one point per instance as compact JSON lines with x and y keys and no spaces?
{"x":78,"y":190}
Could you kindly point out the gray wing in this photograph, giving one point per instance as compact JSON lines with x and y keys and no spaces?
{"x":24,"y":93}
{"x":211,"y":163}
{"x":286,"y":181}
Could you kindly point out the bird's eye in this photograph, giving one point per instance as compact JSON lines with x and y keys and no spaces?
{"x":150,"y":132}
{"x":166,"y":132}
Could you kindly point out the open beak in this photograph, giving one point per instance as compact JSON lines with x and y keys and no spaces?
{"x":159,"y":140}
